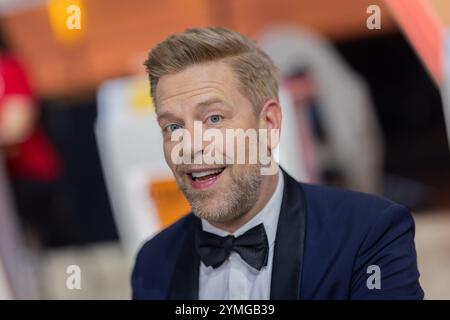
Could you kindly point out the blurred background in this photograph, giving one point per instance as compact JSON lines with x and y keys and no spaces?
{"x":365,"y":95}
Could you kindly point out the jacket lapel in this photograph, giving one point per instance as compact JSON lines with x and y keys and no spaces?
{"x":289,"y":243}
{"x":184,"y":284}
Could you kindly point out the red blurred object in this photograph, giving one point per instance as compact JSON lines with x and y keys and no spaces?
{"x":34,"y":158}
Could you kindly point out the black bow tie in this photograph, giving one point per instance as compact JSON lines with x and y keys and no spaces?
{"x":252,"y":246}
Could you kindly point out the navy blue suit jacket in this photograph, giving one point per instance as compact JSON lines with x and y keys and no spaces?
{"x":326,"y":241}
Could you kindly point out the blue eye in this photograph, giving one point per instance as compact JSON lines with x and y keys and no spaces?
{"x":215,"y":118}
{"x":172,"y":127}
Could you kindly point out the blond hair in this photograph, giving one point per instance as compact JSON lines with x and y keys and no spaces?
{"x":256,"y":72}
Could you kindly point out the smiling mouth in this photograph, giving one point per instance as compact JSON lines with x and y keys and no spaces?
{"x":204,"y":178}
{"x":206,"y":174}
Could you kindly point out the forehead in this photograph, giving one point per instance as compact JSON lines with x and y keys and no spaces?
{"x":215,"y":79}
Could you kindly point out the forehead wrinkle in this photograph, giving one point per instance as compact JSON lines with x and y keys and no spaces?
{"x":217,"y":75}
{"x":192,"y":93}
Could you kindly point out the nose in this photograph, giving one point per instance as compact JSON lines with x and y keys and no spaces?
{"x":192,"y":143}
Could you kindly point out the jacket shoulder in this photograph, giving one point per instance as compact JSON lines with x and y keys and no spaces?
{"x":156,"y":259}
{"x":329,"y":202}
{"x":167,"y":238}
{"x":350,"y":232}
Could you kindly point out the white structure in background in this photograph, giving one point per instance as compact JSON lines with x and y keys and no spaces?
{"x":17,"y":278}
{"x":345,"y":103}
{"x":289,"y":152}
{"x":130,"y":145}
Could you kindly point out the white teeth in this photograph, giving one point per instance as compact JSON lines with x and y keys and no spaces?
{"x":205,"y":173}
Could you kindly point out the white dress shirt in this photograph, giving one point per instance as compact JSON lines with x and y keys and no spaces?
{"x":235,"y":279}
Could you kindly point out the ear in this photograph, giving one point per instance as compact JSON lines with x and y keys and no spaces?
{"x":270,"y":119}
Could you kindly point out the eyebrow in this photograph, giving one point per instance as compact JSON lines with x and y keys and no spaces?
{"x":201,"y":105}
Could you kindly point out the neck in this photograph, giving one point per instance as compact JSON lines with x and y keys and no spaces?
{"x":268,"y":186}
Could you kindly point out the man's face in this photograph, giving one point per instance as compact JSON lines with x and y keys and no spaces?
{"x":208,"y":93}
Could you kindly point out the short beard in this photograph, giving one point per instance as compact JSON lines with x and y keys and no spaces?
{"x":235,"y":202}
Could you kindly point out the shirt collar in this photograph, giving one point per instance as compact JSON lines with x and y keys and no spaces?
{"x":268,"y":216}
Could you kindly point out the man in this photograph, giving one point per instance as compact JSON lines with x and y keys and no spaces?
{"x":254,"y":235}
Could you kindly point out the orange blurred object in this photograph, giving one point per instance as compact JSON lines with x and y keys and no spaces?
{"x":169,"y":200}
{"x":67,"y":19}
